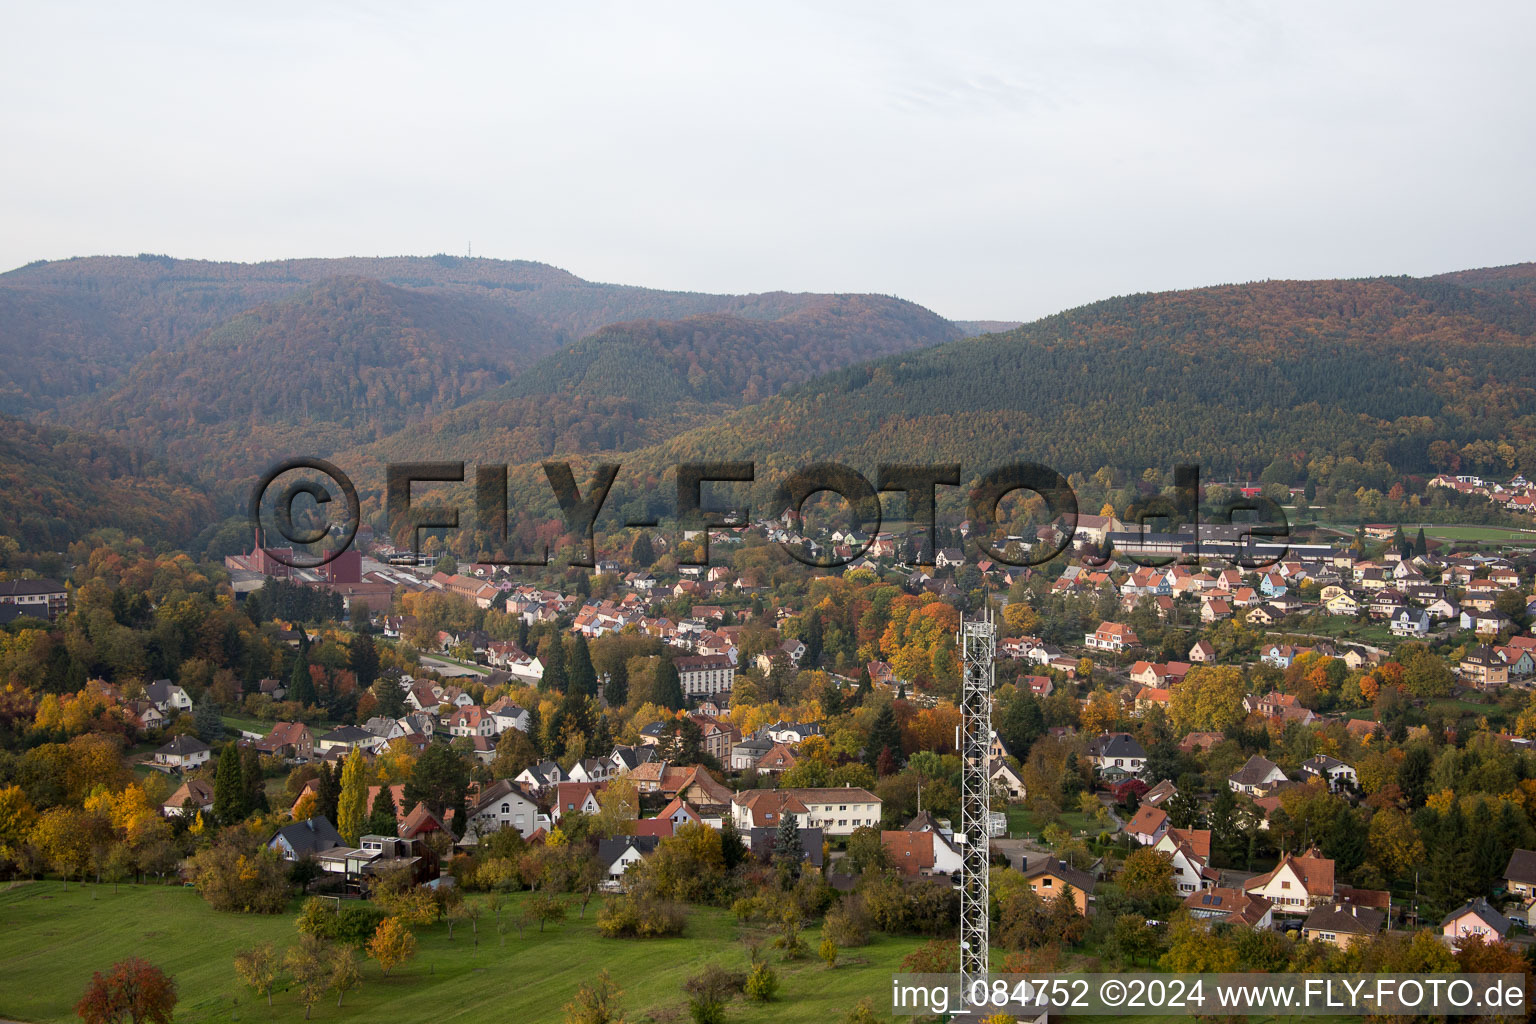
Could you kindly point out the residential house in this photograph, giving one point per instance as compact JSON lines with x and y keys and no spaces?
{"x":763,"y":842}
{"x":288,"y":739}
{"x":575,"y":798}
{"x":308,"y":838}
{"x":1336,"y":773}
{"x":1520,"y":874}
{"x":1256,"y":776}
{"x":1119,"y":751}
{"x":347,"y":738}
{"x":1008,"y":782}
{"x":1147,"y":825}
{"x":168,"y":697}
{"x":616,"y":856}
{"x":1342,"y":924}
{"x":501,"y":805}
{"x":1202,"y":653}
{"x":1111,"y":636}
{"x":1189,"y":853}
{"x":1048,"y":876}
{"x":1474,"y":917}
{"x":836,"y":810}
{"x":1483,"y":668}
{"x":182,"y":753}
{"x":1410,"y":622}
{"x":190,"y":797}
{"x":1231,"y":905}
{"x":1296,"y":884}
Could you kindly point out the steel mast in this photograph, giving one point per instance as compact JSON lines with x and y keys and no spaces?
{"x":977,"y":639}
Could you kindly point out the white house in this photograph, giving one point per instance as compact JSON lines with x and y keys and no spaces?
{"x":183,"y":753}
{"x":1335,"y":772}
{"x":502,"y":805}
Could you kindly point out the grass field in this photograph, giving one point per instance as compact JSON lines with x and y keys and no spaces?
{"x":52,"y":940}
{"x":1023,"y":823}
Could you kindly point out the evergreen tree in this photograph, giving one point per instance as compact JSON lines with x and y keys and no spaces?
{"x":552,"y":657}
{"x":301,"y":687}
{"x":1420,"y":545}
{"x":1345,"y":843}
{"x":641,"y":555}
{"x":812,"y":635}
{"x":866,"y":686}
{"x":254,"y":781}
{"x":1413,"y":774}
{"x":522,"y":633}
{"x":383,"y":816}
{"x":328,"y":791}
{"x":205,"y":718}
{"x":786,"y":844}
{"x":229,"y":787}
{"x":581,"y":676}
{"x":668,"y":692}
{"x":363,"y":659}
{"x":390,"y":698}
{"x":884,"y":737}
{"x":439,"y":780}
{"x":732,"y":849}
{"x":352,"y":806}
{"x":616,"y":691}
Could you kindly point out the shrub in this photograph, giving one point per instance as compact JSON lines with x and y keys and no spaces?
{"x":254,"y":883}
{"x":709,"y":991}
{"x":761,"y":983}
{"x":828,"y":951}
{"x":630,"y":918}
{"x":848,"y":925}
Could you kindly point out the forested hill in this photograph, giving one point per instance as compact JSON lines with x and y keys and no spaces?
{"x":635,"y":383}
{"x":70,"y":327}
{"x":348,"y":359}
{"x":1231,"y":377}
{"x":57,"y":485}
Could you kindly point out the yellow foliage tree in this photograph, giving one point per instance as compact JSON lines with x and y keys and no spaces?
{"x":392,"y":944}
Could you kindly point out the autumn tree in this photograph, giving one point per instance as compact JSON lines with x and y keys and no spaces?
{"x":345,"y":973}
{"x":309,"y":968}
{"x":134,"y":991}
{"x":392,"y":944}
{"x":596,"y":1002}
{"x":352,"y":805}
{"x":259,"y":968}
{"x":1209,"y":699}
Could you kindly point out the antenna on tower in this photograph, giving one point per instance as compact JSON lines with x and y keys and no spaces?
{"x":977,"y":640}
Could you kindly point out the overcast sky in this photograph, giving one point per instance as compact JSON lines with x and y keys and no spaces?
{"x":1003,"y":162}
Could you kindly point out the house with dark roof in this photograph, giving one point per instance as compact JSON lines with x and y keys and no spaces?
{"x":1520,"y":874}
{"x":1256,"y":776}
{"x":1475,"y":917}
{"x":1117,"y":750}
{"x":308,"y":838}
{"x":616,"y":856}
{"x":1342,"y":924}
{"x":1336,"y":773}
{"x":1048,"y":876}
{"x":182,"y":753}
{"x":762,"y":843}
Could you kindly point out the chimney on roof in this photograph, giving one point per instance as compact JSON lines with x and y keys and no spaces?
{"x":1354,"y":910}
